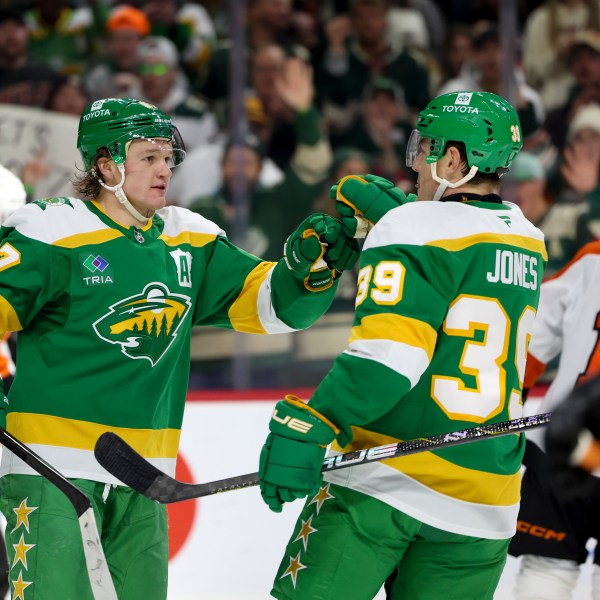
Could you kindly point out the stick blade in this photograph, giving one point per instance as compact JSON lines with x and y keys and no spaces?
{"x":122,"y":461}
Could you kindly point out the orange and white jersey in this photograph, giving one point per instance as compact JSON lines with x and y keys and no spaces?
{"x":568,"y":323}
{"x":7,"y":365}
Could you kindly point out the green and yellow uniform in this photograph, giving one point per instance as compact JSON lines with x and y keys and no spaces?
{"x":447,"y":293}
{"x":104,"y":314}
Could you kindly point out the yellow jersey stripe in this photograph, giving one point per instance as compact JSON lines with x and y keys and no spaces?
{"x":9,"y":321}
{"x":440,"y":475}
{"x":32,"y":428}
{"x":91,"y":237}
{"x":397,"y":328}
{"x":196,"y":240}
{"x":243,"y":313}
{"x":520,"y":241}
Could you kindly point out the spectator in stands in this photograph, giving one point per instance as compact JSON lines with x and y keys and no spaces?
{"x":268,"y":23}
{"x":457,"y":51}
{"x":484,"y":74}
{"x":407,"y":24}
{"x":62,"y":35}
{"x":22,"y":80}
{"x":189,"y":26}
{"x":359,"y":50}
{"x":550,"y":30}
{"x":115,"y":74}
{"x":164,"y":84}
{"x":271,"y":209}
{"x":580,"y":167}
{"x":565,"y":224}
{"x":270,"y":115}
{"x":382,"y":130}
{"x":419,"y":26}
{"x":583,"y":60}
{"x":472,"y":11}
{"x":69,"y":96}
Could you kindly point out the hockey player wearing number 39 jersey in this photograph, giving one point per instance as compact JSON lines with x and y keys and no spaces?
{"x":447,"y":294}
{"x":104,"y":293}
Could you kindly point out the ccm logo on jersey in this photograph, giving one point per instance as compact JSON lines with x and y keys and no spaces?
{"x":514,"y":268}
{"x":541,"y":532}
{"x":293,"y":423}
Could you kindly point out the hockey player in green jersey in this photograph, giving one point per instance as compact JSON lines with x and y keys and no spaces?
{"x":447,"y":293}
{"x":104,"y":294}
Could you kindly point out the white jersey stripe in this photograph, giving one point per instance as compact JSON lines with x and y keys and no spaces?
{"x":421,"y":502}
{"x":408,"y":361}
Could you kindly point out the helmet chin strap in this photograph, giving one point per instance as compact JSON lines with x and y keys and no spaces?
{"x":121,"y":197}
{"x":444,"y":183}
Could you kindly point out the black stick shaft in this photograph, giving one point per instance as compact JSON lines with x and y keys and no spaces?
{"x":120,"y":459}
{"x":77,"y":498}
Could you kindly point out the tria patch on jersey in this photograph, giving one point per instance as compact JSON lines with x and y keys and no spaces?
{"x":146,"y":324}
{"x":95,"y":269}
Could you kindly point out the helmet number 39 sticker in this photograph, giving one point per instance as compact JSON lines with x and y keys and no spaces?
{"x":9,"y":256}
{"x":515,"y":133}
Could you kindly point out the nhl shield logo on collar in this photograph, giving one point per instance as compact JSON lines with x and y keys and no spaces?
{"x":138,"y":236}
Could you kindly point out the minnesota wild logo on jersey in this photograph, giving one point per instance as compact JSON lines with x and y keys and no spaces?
{"x":44,"y":202}
{"x":146,"y":324}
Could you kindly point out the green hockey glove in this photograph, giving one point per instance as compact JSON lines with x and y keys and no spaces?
{"x":363,"y":200}
{"x":292,"y":457}
{"x":318,"y":251}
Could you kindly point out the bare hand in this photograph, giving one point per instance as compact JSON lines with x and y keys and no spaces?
{"x":581,"y":162}
{"x":295,"y":85}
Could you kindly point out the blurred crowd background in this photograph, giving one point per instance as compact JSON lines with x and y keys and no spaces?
{"x":278,"y":99}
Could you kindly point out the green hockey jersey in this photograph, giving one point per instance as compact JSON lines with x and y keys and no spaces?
{"x":447,"y":293}
{"x":104,"y":314}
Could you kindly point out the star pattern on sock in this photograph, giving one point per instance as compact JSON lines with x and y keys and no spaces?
{"x":23,"y":511}
{"x":19,"y":587}
{"x":21,"y":550}
{"x":292,"y":570}
{"x":321,"y":496}
{"x":305,"y":531}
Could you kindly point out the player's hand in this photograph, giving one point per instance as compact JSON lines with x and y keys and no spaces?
{"x":361,"y":200}
{"x":292,"y":456}
{"x":572,"y":442}
{"x":319,"y":250}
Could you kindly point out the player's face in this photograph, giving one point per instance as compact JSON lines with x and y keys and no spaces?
{"x":148,"y":173}
{"x":426,"y":186}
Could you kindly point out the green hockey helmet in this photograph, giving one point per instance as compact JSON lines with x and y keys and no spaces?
{"x":113,"y":122}
{"x":486,"y":123}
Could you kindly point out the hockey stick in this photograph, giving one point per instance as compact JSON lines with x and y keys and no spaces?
{"x":97,"y":567}
{"x":120,"y":459}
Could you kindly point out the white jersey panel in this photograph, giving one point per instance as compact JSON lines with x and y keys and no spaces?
{"x":567,"y":322}
{"x":423,"y":223}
